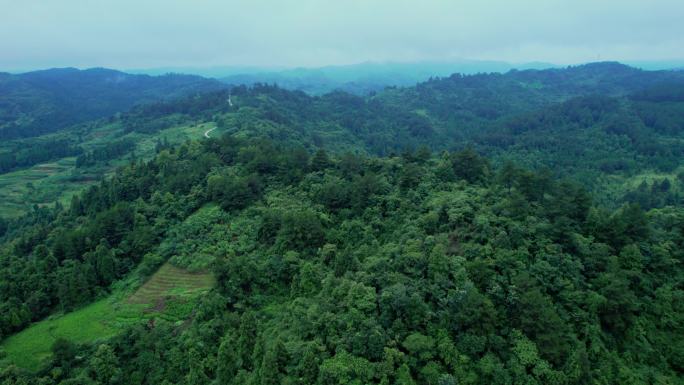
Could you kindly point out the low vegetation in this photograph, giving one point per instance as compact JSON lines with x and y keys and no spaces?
{"x":167,"y":283}
{"x":106,"y":147}
{"x":169,"y":294}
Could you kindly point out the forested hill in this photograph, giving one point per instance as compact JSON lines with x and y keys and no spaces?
{"x":363,"y":78}
{"x":40,"y":102}
{"x":613,"y":128}
{"x":344,"y":251}
{"x":602,"y":118}
{"x":494,"y":95}
{"x":333,"y":270}
{"x":45,"y":101}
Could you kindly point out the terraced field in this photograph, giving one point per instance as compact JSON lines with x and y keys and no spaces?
{"x":169,"y":282}
{"x":170,"y":294}
{"x":46,"y":183}
{"x":41,"y":184}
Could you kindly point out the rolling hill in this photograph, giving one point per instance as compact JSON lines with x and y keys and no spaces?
{"x":40,"y":102}
{"x":582,"y":122}
{"x":524,"y":227}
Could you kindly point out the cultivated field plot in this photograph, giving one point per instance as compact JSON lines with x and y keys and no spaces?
{"x":100,"y":320}
{"x":41,"y":184}
{"x":169,"y":282}
{"x":169,"y":294}
{"x":46,"y":183}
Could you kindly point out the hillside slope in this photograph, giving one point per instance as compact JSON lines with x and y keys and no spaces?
{"x":605,"y":125}
{"x":40,"y":102}
{"x":350,"y":269}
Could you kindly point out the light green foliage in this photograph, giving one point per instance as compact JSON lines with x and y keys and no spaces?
{"x":57,"y":181}
{"x":345,"y":369}
{"x":169,"y":294}
{"x":99,"y":320}
{"x":105,"y":365}
{"x":194,"y":243}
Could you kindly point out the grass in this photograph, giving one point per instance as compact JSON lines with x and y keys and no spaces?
{"x":57,"y":181}
{"x":611,"y":188}
{"x":169,"y":294}
{"x":31,"y":347}
{"x":41,"y":184}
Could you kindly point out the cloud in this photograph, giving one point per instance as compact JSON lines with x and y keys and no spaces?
{"x":127,"y":33}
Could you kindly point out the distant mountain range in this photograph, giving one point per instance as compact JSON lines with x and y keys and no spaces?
{"x":39,"y":102}
{"x":358,"y":79}
{"x":367,"y":77}
{"x":651,"y":65}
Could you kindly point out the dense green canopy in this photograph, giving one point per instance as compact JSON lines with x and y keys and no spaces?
{"x":360,"y":241}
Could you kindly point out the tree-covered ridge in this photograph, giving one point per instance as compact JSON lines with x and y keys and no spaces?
{"x":345,"y":269}
{"x":341,"y":267}
{"x":622,"y":131}
{"x":40,"y":102}
{"x":364,"y":78}
{"x":588,"y":122}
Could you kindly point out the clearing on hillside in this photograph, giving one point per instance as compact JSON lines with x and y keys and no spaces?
{"x":169,"y":282}
{"x":169,"y":294}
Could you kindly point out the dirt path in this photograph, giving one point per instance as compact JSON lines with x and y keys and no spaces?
{"x":206,"y":133}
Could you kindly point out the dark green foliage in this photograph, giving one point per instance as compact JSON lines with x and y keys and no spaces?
{"x":40,"y":102}
{"x":3,"y":226}
{"x":468,"y":165}
{"x":301,"y":231}
{"x":233,"y":192}
{"x":110,"y":151}
{"x":29,"y":152}
{"x":63,"y":354}
{"x":410,"y":269}
{"x":402,"y":276}
{"x":320,"y":161}
{"x":227,"y":360}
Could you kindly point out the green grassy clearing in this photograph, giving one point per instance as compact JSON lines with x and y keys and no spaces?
{"x":29,"y":348}
{"x":47,"y":183}
{"x":169,"y":294}
{"x":650,"y":177}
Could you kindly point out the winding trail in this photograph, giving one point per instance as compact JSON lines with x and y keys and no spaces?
{"x":206,"y":133}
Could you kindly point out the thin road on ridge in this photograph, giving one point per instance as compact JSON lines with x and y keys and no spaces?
{"x":206,"y":133}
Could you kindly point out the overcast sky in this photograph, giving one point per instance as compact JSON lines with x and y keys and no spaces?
{"x":164,"y":33}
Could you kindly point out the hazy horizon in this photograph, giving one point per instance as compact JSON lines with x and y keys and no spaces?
{"x":230,"y":70}
{"x":265,"y":68}
{"x":306,"y":33}
{"x":247,"y":68}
